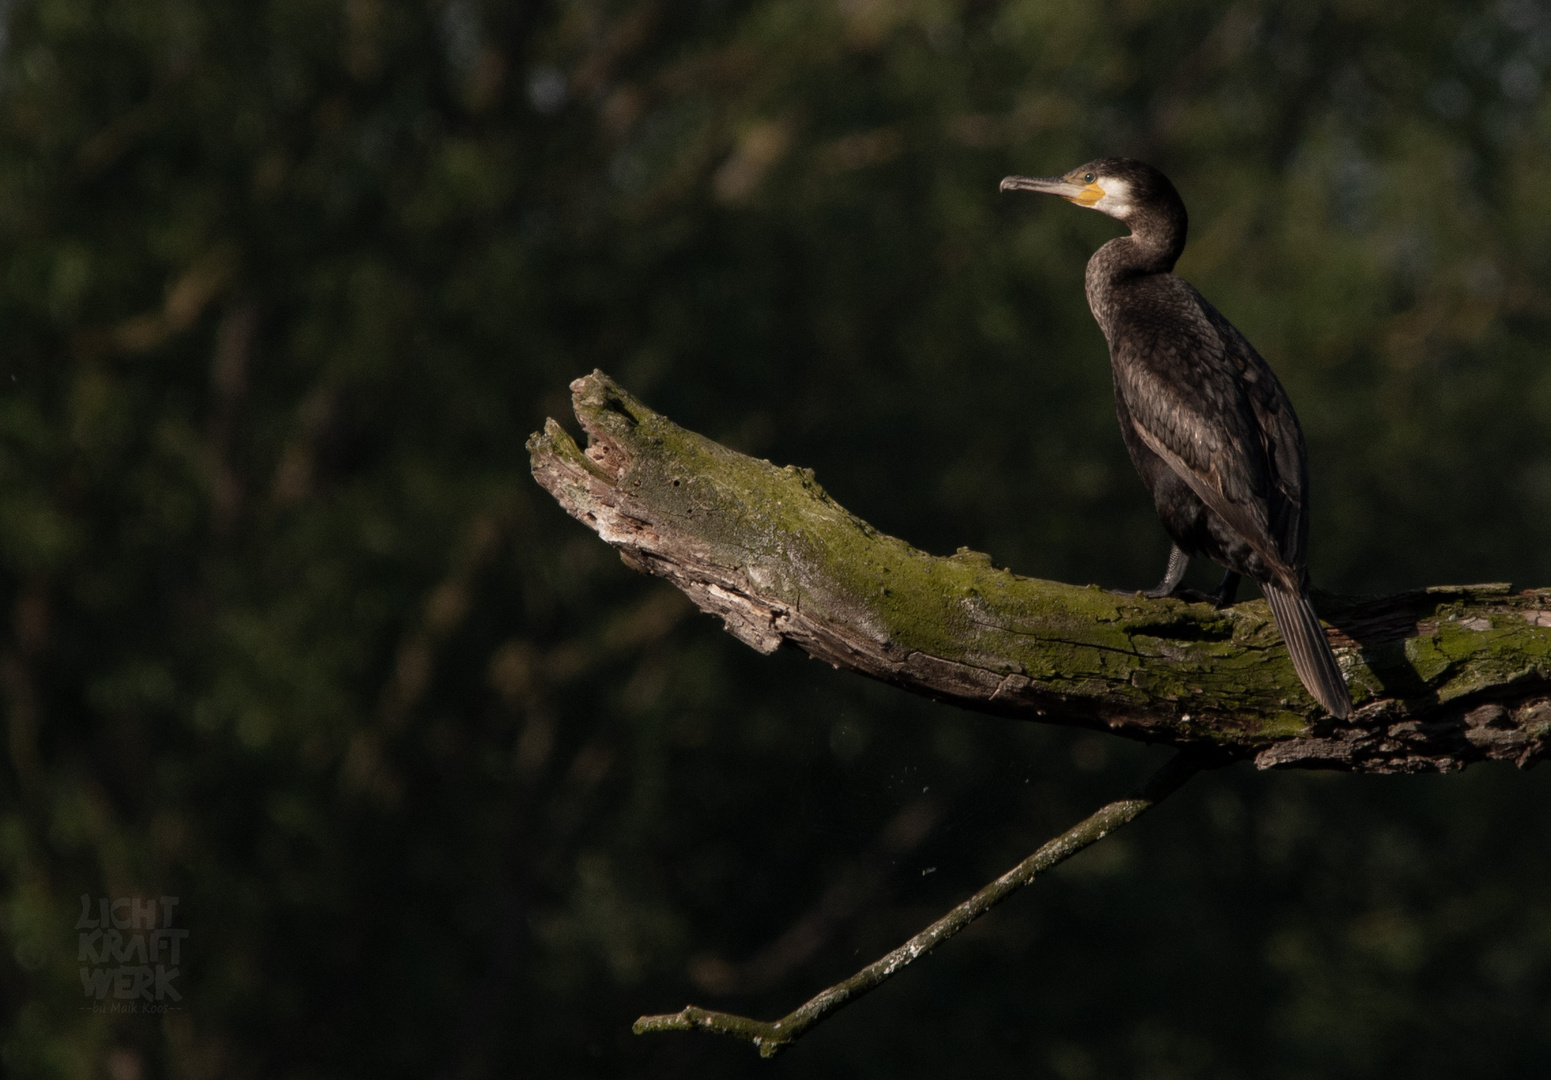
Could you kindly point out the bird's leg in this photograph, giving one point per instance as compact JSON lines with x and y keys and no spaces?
{"x":1169,"y":586}
{"x":1178,"y":560}
{"x":1227,"y":591}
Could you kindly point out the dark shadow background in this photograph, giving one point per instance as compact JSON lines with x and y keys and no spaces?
{"x":444,"y":790}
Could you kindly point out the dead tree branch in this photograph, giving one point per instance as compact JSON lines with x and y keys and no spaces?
{"x":1442,"y":677}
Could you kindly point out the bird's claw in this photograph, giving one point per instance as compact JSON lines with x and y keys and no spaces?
{"x":1189,"y":596}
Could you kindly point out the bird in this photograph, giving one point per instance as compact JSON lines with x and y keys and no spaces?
{"x":1207,"y":423}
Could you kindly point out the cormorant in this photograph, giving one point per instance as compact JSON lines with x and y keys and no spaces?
{"x":1208,"y":426}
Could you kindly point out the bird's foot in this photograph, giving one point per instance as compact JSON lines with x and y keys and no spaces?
{"x":1170,"y":587}
{"x":1190,"y":596}
{"x":1227,"y":591}
{"x":1177,"y":593}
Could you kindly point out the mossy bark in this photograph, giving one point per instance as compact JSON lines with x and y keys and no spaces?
{"x":1442,"y":677}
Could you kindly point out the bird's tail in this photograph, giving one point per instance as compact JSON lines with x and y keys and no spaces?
{"x":1311,"y":655}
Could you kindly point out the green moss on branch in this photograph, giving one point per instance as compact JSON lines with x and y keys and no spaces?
{"x":768,"y":550}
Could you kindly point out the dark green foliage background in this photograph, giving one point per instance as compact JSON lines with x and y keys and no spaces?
{"x":446,"y":791}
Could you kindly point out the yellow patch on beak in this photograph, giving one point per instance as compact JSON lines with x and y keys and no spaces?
{"x":1090,"y":194}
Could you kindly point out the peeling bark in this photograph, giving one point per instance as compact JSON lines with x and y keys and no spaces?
{"x":1441,"y":677}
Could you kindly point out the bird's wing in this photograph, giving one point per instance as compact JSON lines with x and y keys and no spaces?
{"x":1189,"y":385}
{"x":1280,"y":436}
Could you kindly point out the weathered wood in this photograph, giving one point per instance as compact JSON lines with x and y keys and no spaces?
{"x":1442,"y":677}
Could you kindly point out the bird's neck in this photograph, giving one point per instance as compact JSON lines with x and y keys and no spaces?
{"x":1153,"y":247}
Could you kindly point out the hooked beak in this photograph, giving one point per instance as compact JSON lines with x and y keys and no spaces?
{"x":1081,"y":194}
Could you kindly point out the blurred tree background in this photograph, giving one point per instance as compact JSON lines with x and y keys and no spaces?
{"x":445,"y":790}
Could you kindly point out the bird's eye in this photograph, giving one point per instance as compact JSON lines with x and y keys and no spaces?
{"x":1087,"y":178}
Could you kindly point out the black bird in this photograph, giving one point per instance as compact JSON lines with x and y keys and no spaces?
{"x":1207,"y":424}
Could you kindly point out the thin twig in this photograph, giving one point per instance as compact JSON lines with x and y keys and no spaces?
{"x":774,"y":1036}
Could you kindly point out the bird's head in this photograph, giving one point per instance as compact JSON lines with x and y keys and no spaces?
{"x":1119,"y":187}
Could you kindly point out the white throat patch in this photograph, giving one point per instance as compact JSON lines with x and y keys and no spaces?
{"x":1117,"y":198}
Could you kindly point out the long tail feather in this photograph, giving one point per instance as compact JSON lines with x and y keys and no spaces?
{"x":1311,"y":655}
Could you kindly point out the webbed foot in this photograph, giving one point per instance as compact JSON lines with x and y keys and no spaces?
{"x":1227,"y":591}
{"x":1178,"y":561}
{"x":1224,"y":595}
